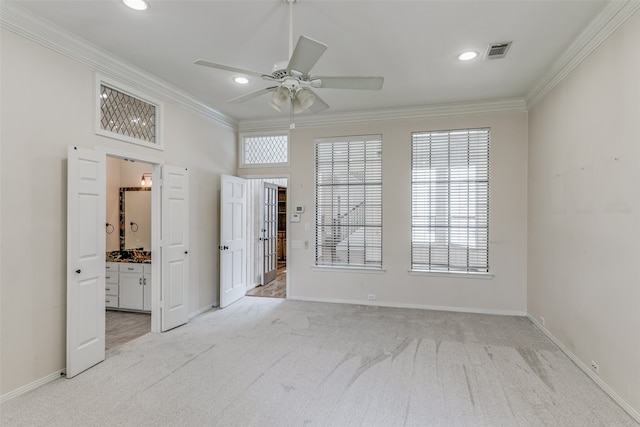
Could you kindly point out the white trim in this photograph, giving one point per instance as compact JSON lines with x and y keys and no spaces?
{"x":25,"y":24}
{"x":202,"y":310}
{"x":614,"y":14}
{"x":121,"y":154}
{"x":32,"y":386}
{"x":510,"y":105}
{"x":452,"y":274}
{"x":416,"y":306}
{"x":101,"y":80}
{"x":348,"y":269}
{"x":603,"y":385}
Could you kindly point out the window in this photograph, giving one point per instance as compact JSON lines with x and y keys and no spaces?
{"x":450,"y":201}
{"x":264,"y":150}
{"x":124,"y":115}
{"x":349,"y":201}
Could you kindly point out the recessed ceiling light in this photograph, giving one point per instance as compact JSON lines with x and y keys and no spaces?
{"x":241,"y":80}
{"x":136,"y":4}
{"x":467,"y":56}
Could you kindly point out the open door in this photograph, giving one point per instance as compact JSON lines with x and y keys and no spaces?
{"x":233,"y":240}
{"x":175,"y":234}
{"x":270,"y":233}
{"x":86,"y":198}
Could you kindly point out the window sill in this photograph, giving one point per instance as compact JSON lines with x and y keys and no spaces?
{"x":452,"y":274}
{"x":345,"y":269}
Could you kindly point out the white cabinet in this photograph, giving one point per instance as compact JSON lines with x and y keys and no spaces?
{"x":130,"y":287}
{"x":111,"y":285}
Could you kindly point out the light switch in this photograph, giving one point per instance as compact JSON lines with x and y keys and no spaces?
{"x":307,"y":226}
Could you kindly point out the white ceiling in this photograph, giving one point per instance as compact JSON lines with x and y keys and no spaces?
{"x":412,"y":44}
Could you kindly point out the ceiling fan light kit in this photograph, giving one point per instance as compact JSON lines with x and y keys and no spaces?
{"x":293,"y":82}
{"x":279,"y":98}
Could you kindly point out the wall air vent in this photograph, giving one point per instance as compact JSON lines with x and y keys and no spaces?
{"x":497,"y":50}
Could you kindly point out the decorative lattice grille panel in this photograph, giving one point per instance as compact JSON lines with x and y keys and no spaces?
{"x":125,"y":115}
{"x":265,"y":149}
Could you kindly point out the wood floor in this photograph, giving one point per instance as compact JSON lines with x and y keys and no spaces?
{"x":277,"y":288}
{"x":122,"y":327}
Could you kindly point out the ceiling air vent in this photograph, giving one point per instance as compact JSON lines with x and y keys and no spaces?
{"x":497,"y":50}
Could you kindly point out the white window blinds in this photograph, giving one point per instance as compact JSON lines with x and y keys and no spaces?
{"x":349,"y":201}
{"x":450,"y":201}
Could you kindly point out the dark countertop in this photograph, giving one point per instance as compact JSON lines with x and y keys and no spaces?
{"x":133,"y":255}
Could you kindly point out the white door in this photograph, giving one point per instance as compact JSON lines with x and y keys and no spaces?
{"x":175,"y":233}
{"x":233,"y":240}
{"x":270,"y":233}
{"x":86,"y":198}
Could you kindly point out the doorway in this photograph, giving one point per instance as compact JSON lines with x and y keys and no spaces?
{"x":166,"y":275}
{"x":267,"y":209}
{"x":128,"y":251}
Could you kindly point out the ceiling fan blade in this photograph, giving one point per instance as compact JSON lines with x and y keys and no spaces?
{"x":227,"y":68}
{"x":318,"y":105}
{"x":305,"y":55}
{"x":365,"y":83}
{"x":254,"y":94}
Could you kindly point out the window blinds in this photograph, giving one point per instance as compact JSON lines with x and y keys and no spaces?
{"x":450,"y":201}
{"x":348,"y":180}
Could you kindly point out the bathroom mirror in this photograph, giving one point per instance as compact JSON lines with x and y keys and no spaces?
{"x":135,"y":218}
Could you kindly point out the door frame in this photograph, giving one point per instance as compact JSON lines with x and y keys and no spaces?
{"x":286,"y":176}
{"x":156,"y":202}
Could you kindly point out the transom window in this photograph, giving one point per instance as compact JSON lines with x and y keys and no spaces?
{"x":260,"y":150}
{"x":126,"y":115}
{"x":450,"y":201}
{"x":348,"y":180}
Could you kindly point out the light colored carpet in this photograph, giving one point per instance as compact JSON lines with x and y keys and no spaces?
{"x":273,"y":362}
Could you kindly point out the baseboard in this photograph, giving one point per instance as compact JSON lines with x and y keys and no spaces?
{"x":418,"y":306}
{"x":202,"y":310}
{"x":31,"y":386}
{"x":603,"y":385}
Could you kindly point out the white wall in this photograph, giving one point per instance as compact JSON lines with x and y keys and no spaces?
{"x":504,"y":293}
{"x":584,"y":211}
{"x":47,"y":104}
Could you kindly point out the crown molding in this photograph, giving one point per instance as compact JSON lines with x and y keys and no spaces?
{"x":25,"y":24}
{"x":511,"y":105}
{"x":614,"y":14}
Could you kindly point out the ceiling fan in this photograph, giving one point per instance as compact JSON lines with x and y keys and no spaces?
{"x":291,"y":80}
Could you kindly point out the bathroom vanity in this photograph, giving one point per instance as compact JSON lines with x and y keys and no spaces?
{"x":128,"y":284}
